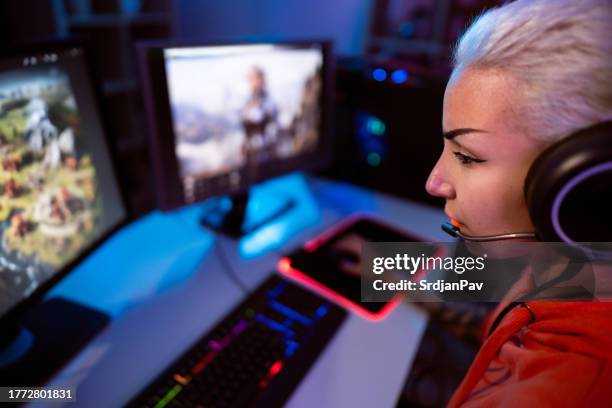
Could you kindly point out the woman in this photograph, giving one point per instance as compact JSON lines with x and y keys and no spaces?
{"x":526,"y":75}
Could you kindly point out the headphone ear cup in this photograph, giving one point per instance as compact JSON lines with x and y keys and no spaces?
{"x":568,"y":188}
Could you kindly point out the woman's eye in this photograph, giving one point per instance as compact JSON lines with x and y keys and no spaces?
{"x":465,"y":159}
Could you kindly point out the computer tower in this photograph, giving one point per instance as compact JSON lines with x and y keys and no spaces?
{"x":388,"y":128}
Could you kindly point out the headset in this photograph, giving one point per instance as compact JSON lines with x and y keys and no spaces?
{"x":568,"y":191}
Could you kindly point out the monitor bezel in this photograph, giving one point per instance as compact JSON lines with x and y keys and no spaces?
{"x":169,"y":185}
{"x":12,"y":315}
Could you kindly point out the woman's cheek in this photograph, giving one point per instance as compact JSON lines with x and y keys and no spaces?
{"x":487,"y":205}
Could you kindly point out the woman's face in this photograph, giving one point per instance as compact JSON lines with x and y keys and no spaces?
{"x":482,"y":169}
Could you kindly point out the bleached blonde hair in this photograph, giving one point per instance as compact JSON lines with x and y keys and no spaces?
{"x":560,"y":54}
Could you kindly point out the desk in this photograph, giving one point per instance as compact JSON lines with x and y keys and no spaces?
{"x":162,"y":281}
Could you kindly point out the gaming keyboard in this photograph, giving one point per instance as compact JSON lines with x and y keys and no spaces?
{"x":255,"y":357}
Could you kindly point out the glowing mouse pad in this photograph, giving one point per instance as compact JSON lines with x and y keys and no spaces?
{"x":331,"y":263}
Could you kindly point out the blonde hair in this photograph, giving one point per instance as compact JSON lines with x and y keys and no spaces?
{"x":560,"y":53}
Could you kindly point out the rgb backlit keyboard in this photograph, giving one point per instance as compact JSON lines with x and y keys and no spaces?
{"x":256,"y":356}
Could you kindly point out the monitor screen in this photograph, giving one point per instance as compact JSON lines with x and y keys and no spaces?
{"x":58,"y":192}
{"x":241,"y":113}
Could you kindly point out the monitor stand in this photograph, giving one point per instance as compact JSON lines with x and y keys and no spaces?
{"x":243,"y":213}
{"x":44,"y":339}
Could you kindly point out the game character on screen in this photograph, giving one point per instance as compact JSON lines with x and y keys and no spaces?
{"x":258,"y":116}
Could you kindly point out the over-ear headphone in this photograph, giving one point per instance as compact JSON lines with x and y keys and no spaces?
{"x":568,"y":191}
{"x":568,"y":188}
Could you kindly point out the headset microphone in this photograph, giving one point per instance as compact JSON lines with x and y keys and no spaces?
{"x":454,"y":231}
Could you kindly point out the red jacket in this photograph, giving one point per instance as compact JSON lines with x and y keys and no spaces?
{"x":544,"y":354}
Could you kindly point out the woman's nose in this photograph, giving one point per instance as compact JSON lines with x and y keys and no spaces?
{"x":437,"y":186}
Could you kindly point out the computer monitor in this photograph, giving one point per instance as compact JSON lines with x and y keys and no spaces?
{"x":226,"y":116}
{"x":59,"y":196}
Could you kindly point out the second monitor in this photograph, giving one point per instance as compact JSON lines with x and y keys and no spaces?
{"x":225,"y":117}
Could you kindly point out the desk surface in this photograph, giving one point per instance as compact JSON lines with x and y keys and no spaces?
{"x":164,"y":284}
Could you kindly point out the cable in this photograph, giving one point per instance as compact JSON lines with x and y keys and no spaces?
{"x":225,"y":262}
{"x":227,"y":265}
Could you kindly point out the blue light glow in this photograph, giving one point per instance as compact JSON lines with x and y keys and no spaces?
{"x":290,"y":313}
{"x":280,"y":229}
{"x":290,"y":347}
{"x":379,"y":74}
{"x":374,"y":159}
{"x":376,"y":126}
{"x":399,"y":76}
{"x":274,"y":325}
{"x":321,"y":311}
{"x":159,"y":266}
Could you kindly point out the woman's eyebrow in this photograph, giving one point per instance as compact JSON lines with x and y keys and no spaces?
{"x":451,"y":134}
